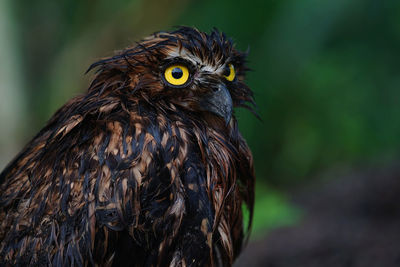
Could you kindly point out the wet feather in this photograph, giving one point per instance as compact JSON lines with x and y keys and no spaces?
{"x":133,"y":172}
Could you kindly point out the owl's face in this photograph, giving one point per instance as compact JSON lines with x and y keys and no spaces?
{"x":198,"y":72}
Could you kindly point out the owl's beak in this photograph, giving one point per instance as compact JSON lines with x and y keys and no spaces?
{"x":219,"y":102}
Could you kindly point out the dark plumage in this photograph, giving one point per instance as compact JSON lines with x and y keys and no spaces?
{"x":138,"y":171}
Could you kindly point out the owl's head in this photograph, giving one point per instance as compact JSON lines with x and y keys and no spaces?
{"x":198,"y":72}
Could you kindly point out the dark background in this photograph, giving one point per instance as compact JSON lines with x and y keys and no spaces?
{"x":325,"y":74}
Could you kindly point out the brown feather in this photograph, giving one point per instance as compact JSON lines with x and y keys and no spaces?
{"x":135,"y":172}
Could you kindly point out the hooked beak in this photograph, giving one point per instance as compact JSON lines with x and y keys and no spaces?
{"x":219,"y":102}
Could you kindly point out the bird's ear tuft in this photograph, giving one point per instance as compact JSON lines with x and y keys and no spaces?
{"x":119,"y":62}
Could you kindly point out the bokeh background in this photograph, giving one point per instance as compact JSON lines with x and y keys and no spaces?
{"x":326,"y":77}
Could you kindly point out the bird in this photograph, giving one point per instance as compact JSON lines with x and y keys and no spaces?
{"x":145,"y":168}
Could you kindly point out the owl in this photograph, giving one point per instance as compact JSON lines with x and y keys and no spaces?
{"x":147,"y":168}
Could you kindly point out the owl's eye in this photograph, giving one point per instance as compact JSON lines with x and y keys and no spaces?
{"x":229,"y":72}
{"x":176,"y":75}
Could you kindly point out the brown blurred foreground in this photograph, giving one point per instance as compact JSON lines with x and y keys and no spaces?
{"x":352,"y":221}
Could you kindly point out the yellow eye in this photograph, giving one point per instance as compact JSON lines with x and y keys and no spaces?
{"x":176,"y":75}
{"x":229,"y":72}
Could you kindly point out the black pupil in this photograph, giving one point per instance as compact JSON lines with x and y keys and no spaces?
{"x":227,"y":70}
{"x":177,"y":73}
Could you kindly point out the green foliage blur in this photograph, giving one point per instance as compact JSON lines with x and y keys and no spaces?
{"x":326,"y":76}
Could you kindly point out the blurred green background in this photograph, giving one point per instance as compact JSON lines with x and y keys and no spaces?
{"x":326,"y":77}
